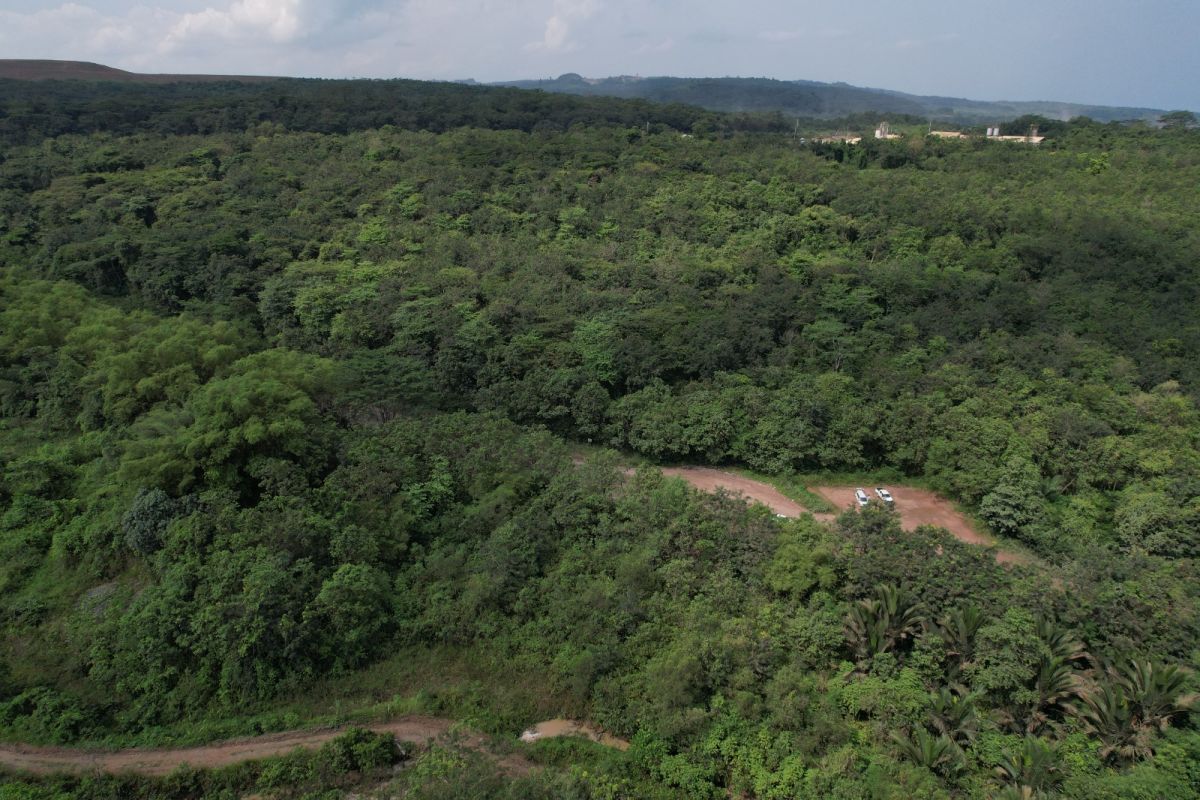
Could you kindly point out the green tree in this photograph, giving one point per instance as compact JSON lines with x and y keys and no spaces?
{"x":1015,"y":502}
{"x":936,"y":753}
{"x":352,"y":615}
{"x":1032,"y":769}
{"x":1128,"y":706}
{"x":883,"y":623}
{"x":266,"y":406}
{"x":1178,"y":119}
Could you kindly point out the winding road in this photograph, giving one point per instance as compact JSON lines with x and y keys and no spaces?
{"x":155,"y":761}
{"x":916,"y":507}
{"x":414,"y":729}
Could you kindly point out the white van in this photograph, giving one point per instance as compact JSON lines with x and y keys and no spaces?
{"x":861,"y":496}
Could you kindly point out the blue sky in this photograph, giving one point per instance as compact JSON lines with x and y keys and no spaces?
{"x":1114,"y":52}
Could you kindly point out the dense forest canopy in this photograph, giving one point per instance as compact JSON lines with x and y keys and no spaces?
{"x":297,"y":381}
{"x":36,"y":110}
{"x":804,"y":98}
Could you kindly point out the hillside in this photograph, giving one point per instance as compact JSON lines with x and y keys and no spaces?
{"x":48,"y":69}
{"x":815,"y":99}
{"x":798,"y":98}
{"x":371,"y":402}
{"x":35,"y":110}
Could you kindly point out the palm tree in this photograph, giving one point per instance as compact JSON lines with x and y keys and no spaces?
{"x":1056,"y":683}
{"x":953,"y":716}
{"x":1055,"y":686}
{"x":1125,"y":710}
{"x":1106,"y":713}
{"x":1062,"y":643}
{"x":1021,"y":793}
{"x":1031,"y":770}
{"x":958,"y":630}
{"x":865,"y":630}
{"x":936,"y":753}
{"x":883,"y":623}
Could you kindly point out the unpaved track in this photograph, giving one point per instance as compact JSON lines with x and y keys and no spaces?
{"x":45,"y":760}
{"x":709,"y":480}
{"x":552,"y":728}
{"x":918,"y":507}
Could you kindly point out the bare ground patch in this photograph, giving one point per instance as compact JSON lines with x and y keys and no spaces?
{"x":918,"y":507}
{"x":149,"y":761}
{"x":710,"y":480}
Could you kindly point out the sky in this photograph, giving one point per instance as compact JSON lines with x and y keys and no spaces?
{"x":1110,"y":52}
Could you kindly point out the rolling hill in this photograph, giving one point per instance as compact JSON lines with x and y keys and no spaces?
{"x":799,"y":98}
{"x":815,"y":99}
{"x":43,"y":69}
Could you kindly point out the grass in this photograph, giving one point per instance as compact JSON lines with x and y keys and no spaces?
{"x":867,"y":479}
{"x":792,"y":487}
{"x":488,"y":691}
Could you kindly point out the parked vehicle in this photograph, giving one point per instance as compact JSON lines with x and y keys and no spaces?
{"x":884,"y":495}
{"x":861,"y":496}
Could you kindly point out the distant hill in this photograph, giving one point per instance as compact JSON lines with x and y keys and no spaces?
{"x":37,"y":69}
{"x":32,"y":110}
{"x":797,"y":98}
{"x":815,"y":99}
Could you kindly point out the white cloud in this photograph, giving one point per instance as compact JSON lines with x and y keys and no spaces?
{"x":71,"y":31}
{"x":556,"y":38}
{"x":280,"y":21}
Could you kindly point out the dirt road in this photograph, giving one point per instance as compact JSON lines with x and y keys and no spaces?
{"x":146,"y":761}
{"x":552,"y":728}
{"x":918,"y":507}
{"x":709,"y":480}
{"x":43,"y":760}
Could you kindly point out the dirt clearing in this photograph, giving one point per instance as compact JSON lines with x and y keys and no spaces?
{"x":44,"y":760}
{"x":552,"y":728}
{"x":709,"y":480}
{"x":918,"y":507}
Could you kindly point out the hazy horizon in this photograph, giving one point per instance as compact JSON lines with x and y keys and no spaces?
{"x":1100,"y":53}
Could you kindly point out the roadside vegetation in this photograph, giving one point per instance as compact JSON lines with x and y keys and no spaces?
{"x":288,"y":405}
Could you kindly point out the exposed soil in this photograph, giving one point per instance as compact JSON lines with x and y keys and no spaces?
{"x":151,"y":761}
{"x":918,"y":507}
{"x":709,"y":480}
{"x":569,"y":727}
{"x":146,"y":761}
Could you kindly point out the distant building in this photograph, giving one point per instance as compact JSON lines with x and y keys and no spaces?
{"x":885,"y":132}
{"x":1030,"y":138}
{"x":847,"y":138}
{"x":948,"y":134}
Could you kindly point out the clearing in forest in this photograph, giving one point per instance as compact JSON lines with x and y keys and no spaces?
{"x":918,"y":507}
{"x":414,"y":729}
{"x":709,"y":480}
{"x":162,"y":761}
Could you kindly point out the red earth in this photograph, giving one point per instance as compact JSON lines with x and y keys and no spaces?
{"x":709,"y":480}
{"x":147,"y":761}
{"x":918,"y":507}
